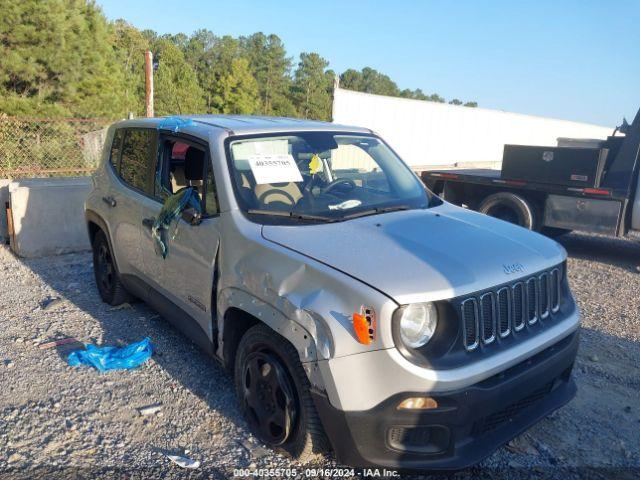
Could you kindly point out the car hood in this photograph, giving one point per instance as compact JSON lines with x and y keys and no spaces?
{"x":423,"y":255}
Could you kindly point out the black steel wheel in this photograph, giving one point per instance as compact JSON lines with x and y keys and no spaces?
{"x":106,"y":274}
{"x":268,"y":397}
{"x":104,"y":268}
{"x":274,"y":395}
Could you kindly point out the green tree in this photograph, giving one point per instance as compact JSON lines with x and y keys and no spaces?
{"x":176,"y":86}
{"x":180,"y":40}
{"x":57,"y":58}
{"x":312,"y":86}
{"x":130,"y":45}
{"x":370,"y":80}
{"x":199,"y":52}
{"x":63,"y":58}
{"x":351,"y":80}
{"x":238,"y":90}
{"x":416,"y":94}
{"x":378,"y":83}
{"x":419,"y":95}
{"x":272,"y":69}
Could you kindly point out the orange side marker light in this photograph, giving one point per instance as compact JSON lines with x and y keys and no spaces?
{"x":364,"y":325}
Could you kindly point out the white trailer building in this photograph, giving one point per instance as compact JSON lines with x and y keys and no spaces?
{"x":427,"y":134}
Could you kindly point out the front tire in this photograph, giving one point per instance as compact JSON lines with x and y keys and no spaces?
{"x":106,"y":274}
{"x":274,"y":395}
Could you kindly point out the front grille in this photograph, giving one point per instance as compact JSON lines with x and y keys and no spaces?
{"x":543,"y":297}
{"x":519,"y":306}
{"x":470,"y":321}
{"x":532,"y":301}
{"x":488,"y":317}
{"x":504,"y":312}
{"x":498,"y":314}
{"x":555,"y":292}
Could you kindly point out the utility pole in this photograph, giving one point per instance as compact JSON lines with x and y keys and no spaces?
{"x":148,"y":75}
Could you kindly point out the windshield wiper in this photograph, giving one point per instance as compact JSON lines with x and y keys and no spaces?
{"x":375,"y":211}
{"x":288,"y":214}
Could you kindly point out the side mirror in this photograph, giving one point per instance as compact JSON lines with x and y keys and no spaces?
{"x":191,"y":216}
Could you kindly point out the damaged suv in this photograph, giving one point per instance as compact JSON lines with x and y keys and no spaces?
{"x":356,"y":310}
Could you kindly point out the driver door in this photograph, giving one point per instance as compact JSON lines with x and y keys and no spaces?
{"x":185,"y":277}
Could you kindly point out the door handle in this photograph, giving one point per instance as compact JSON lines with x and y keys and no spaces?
{"x":148,"y":222}
{"x":109,"y":201}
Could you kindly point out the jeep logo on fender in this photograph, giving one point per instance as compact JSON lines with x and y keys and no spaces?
{"x":510,"y":268}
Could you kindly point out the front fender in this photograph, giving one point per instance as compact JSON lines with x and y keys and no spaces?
{"x":302,"y":338}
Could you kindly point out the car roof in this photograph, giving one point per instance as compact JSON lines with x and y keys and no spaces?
{"x":239,"y":124}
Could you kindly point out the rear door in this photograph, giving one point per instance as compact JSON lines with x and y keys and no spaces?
{"x":134,"y":166}
{"x":186,"y":275}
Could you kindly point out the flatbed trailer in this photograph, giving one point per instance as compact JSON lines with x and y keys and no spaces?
{"x":555,"y":190}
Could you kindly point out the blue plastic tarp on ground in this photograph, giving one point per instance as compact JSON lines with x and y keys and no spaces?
{"x":113,"y":358}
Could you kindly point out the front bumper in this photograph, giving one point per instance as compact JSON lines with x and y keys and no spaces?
{"x":468,"y":425}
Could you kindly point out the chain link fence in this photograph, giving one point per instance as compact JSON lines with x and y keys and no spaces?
{"x":45,"y":147}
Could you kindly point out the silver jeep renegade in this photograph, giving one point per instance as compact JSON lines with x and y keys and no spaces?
{"x":357,"y":311}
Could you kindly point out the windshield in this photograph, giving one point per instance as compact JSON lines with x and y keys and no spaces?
{"x":321,"y":176}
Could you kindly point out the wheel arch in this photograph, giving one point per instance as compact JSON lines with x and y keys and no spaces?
{"x":239,"y":311}
{"x":95,"y":223}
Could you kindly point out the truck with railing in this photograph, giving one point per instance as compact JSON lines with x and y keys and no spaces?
{"x":580,"y":184}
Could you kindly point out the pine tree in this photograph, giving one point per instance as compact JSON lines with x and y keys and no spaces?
{"x":175,"y":82}
{"x":63,"y":58}
{"x":57,"y":58}
{"x":199,"y":52}
{"x":271,"y":68}
{"x":238,"y":90}
{"x":312,"y":87}
{"x":130,"y":46}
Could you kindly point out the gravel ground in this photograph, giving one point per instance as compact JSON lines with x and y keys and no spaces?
{"x":61,"y":421}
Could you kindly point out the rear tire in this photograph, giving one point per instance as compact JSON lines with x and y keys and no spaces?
{"x":510,"y":208}
{"x":106,"y":274}
{"x":271,"y":384}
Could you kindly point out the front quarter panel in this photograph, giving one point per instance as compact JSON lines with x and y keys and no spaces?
{"x":273,"y":281}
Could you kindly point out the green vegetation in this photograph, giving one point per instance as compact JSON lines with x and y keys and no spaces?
{"x":61,"y":58}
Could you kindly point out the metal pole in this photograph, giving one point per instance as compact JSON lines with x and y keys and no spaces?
{"x":148,"y":74}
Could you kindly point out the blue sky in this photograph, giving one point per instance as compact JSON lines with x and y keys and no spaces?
{"x":575,"y":60}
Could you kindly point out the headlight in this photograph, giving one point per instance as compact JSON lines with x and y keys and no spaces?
{"x":418,"y":324}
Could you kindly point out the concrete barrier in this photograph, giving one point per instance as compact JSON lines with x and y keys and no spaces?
{"x":48,"y":216}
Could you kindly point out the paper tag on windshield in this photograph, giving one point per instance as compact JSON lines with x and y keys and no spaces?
{"x":276,"y":168}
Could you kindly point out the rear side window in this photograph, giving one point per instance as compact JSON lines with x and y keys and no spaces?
{"x":116,"y":148}
{"x":136,"y":162}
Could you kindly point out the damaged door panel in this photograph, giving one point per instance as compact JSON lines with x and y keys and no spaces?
{"x":181,"y":266}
